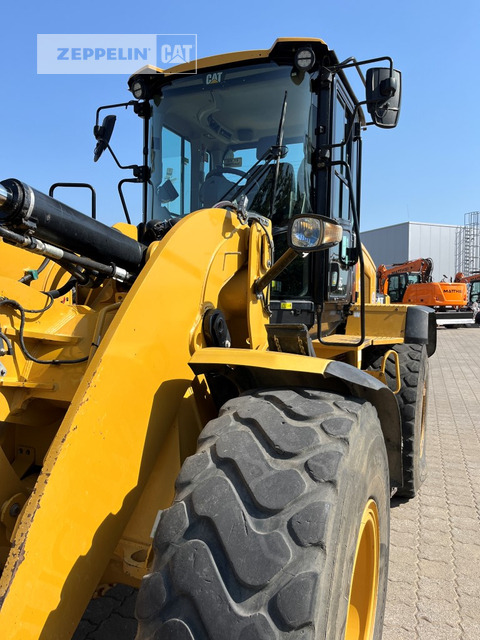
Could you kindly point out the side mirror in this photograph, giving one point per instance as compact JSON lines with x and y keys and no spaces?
{"x":103,"y":134}
{"x":384,"y":91}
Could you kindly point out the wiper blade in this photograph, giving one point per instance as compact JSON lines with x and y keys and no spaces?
{"x":281,"y":128}
{"x":255,"y":172}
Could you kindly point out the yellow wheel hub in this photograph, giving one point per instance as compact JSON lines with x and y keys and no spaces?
{"x":364,"y":585}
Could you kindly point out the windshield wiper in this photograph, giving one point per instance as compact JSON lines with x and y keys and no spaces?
{"x":257,"y":171}
{"x":281,"y":128}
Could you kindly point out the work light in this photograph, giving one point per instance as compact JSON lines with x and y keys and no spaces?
{"x":311,"y":233}
{"x":304,"y":59}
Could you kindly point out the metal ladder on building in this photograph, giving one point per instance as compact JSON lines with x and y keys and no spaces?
{"x":467,"y":250}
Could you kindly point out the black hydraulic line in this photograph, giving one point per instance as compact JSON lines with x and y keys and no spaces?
{"x":28,"y":277}
{"x":45,"y":308}
{"x":61,"y":256}
{"x":68,"y":286}
{"x":18,"y":307}
{"x":80,"y":276}
{"x":7,"y":341}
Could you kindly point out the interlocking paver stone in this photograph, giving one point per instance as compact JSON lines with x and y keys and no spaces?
{"x":446,"y":594}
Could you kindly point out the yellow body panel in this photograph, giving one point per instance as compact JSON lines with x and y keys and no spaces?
{"x":17,"y":263}
{"x":261,"y":359}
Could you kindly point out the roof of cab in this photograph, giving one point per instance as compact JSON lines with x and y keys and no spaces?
{"x":227,"y":58}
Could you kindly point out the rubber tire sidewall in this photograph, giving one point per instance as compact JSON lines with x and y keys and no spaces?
{"x":412,"y":403}
{"x":361,"y":475}
{"x":368,"y":481}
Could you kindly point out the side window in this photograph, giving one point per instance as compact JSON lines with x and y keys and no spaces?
{"x":340,"y":276}
{"x":177,"y":162}
{"x":340,"y":191}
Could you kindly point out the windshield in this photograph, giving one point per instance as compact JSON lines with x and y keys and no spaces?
{"x":209,"y":129}
{"x":398,"y":283}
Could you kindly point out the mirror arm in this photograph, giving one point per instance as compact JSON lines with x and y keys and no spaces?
{"x":114,"y":106}
{"x":352,"y":62}
{"x":129,"y":166}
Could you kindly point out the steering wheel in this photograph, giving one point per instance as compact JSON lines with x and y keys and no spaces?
{"x":211,"y":193}
{"x":220,"y":171}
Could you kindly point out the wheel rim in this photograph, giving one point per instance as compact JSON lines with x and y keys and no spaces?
{"x":362,"y":602}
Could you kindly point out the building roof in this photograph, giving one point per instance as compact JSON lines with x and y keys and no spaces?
{"x":400,"y":224}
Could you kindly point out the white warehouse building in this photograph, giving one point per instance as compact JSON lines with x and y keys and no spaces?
{"x":410,"y":240}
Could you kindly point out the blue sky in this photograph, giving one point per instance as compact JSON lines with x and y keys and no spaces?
{"x":426,"y":170}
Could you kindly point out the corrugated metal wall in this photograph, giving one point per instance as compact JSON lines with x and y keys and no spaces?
{"x":411,"y":240}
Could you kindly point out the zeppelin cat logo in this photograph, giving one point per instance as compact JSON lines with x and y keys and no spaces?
{"x":213,"y":78}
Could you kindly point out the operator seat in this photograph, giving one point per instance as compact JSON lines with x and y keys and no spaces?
{"x":213,"y":189}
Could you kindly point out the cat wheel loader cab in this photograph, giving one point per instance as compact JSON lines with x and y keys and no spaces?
{"x":214,"y":404}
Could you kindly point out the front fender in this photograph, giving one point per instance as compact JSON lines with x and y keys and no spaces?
{"x":230,"y":372}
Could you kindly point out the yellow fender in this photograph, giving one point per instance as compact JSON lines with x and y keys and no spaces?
{"x":247,"y":370}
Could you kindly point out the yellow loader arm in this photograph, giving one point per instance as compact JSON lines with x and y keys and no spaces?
{"x":123,"y":411}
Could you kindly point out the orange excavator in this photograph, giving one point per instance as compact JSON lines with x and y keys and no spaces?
{"x":411,"y":283}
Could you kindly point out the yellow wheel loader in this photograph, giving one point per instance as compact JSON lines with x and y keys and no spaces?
{"x":204,"y":405}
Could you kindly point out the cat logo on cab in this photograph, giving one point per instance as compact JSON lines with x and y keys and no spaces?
{"x":213,"y":78}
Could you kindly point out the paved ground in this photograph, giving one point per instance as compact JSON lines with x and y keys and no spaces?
{"x":434,"y":580}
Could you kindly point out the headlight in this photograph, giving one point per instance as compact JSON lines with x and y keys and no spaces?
{"x":313,"y":233}
{"x":139,"y":89}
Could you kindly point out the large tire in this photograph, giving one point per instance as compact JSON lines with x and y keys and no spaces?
{"x":412,"y":402}
{"x":261,"y":540}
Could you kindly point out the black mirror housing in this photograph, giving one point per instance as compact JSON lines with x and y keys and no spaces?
{"x":384,"y":91}
{"x":103,"y":134}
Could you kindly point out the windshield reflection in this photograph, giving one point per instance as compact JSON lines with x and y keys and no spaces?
{"x":209,"y":130}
